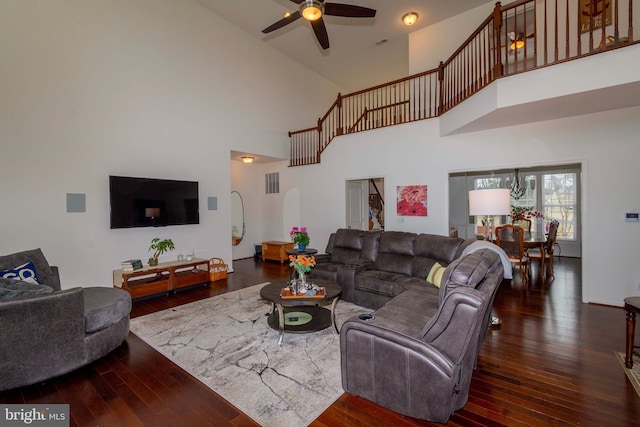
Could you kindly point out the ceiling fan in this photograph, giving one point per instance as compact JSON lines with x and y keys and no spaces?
{"x":313,"y":10}
{"x":517,"y":41}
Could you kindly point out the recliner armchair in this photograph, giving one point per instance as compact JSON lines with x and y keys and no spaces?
{"x":417,"y":355}
{"x":347,"y":252}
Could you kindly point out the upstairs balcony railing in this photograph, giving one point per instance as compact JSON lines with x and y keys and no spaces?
{"x":519,"y":37}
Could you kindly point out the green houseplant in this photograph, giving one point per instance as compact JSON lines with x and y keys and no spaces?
{"x":160,"y":247}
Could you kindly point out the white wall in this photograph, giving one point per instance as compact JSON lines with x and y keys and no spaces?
{"x":161,"y":89}
{"x":430,"y":45}
{"x":604,"y":143}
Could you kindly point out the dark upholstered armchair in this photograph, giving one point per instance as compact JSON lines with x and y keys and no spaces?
{"x":47,"y":331}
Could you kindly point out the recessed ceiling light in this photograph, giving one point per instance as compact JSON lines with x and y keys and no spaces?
{"x":410,"y":18}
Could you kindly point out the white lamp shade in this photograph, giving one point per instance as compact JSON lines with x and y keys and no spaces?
{"x":490,"y":202}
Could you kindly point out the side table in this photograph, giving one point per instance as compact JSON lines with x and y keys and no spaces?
{"x":632,"y":306}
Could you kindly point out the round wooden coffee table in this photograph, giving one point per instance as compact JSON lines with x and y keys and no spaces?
{"x":301,"y":315}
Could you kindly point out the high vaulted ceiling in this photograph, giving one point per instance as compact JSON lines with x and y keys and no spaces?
{"x":358,"y":56}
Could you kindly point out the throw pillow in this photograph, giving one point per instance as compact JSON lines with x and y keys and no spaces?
{"x":25,"y":272}
{"x":435,"y":274}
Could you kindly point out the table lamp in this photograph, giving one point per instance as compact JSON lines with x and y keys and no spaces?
{"x":489,"y":202}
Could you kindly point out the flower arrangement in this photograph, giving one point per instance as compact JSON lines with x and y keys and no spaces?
{"x":299,"y":236}
{"x":302,"y":263}
{"x":520,"y":213}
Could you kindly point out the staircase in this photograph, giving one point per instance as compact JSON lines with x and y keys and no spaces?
{"x":520,"y":37}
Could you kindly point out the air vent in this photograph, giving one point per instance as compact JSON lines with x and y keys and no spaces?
{"x":272,"y":183}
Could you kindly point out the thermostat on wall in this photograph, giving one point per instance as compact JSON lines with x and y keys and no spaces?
{"x":632,"y":217}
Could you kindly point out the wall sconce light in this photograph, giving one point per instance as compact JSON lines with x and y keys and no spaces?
{"x":247,"y":159}
{"x":410,"y":18}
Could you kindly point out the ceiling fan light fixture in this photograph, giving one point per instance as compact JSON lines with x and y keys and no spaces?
{"x":311,"y":10}
{"x":247,"y":159}
{"x":517,"y":44}
{"x":410,"y":18}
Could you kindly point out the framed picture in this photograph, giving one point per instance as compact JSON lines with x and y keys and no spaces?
{"x":412,"y":200}
{"x":591,"y":14}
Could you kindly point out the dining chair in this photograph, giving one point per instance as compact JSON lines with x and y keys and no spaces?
{"x":549,"y":247}
{"x":511,"y":239}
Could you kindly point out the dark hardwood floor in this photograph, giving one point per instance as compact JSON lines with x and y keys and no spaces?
{"x":551,"y":362}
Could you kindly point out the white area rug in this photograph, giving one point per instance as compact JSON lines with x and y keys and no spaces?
{"x":225,"y":342}
{"x":633,"y":374}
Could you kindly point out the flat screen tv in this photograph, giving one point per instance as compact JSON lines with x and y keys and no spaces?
{"x":147,"y":202}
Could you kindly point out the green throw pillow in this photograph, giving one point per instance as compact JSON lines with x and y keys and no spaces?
{"x":435,"y":275}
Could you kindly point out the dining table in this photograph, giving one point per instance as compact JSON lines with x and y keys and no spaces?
{"x":534,"y":240}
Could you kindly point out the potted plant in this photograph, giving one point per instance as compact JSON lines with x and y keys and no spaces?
{"x":160,"y":247}
{"x":300,"y":237}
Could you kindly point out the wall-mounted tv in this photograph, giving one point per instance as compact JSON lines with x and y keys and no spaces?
{"x":148,"y":202}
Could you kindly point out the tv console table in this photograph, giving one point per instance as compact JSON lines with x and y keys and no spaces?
{"x":163,"y":278}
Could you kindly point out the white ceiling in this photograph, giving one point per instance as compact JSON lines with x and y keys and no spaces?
{"x":354,"y":60}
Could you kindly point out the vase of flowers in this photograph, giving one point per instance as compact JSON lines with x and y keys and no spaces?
{"x":522,"y":213}
{"x":302,"y":264}
{"x":519,"y":213}
{"x":300,"y":237}
{"x":538,"y":219}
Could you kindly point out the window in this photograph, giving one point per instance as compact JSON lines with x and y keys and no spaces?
{"x":559,"y":202}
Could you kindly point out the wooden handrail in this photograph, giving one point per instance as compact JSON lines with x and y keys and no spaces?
{"x":486,"y":55}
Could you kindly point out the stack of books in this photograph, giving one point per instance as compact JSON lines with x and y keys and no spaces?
{"x":131,"y":265}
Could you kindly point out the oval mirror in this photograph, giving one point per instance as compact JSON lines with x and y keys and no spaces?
{"x":237,"y":218}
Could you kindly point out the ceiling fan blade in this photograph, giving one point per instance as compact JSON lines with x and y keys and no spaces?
{"x":297,"y":1}
{"x":339,"y":9}
{"x":321,"y":33}
{"x":281,"y":23}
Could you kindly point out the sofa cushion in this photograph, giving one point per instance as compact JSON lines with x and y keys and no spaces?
{"x":397,"y":242}
{"x":468,"y":271}
{"x":11,"y":288}
{"x":104,"y":307}
{"x":43,"y":270}
{"x":409,"y":312}
{"x":347,"y":244}
{"x":25,"y":272}
{"x":379,"y":282}
{"x":439,"y":248}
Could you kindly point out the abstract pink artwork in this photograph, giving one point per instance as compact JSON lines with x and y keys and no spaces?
{"x":412,"y":200}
